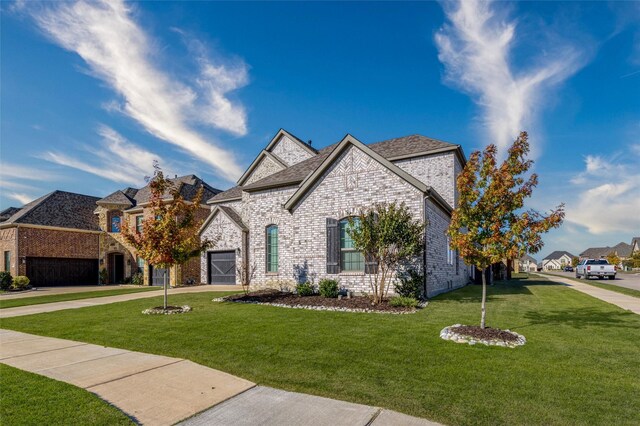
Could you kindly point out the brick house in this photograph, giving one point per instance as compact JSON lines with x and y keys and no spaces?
{"x":131,"y":205}
{"x":54,"y":240}
{"x":287,"y":216}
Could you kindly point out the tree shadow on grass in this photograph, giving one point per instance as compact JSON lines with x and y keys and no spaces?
{"x":473,"y":293}
{"x":581,"y":318}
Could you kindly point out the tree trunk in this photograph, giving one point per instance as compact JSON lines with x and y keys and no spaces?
{"x":165,"y":290}
{"x":484,"y":298}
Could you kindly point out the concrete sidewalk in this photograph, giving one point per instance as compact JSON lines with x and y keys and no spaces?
{"x":158,"y":390}
{"x":50,"y":291}
{"x":95,"y":301}
{"x":629,"y":303}
{"x":151,"y":389}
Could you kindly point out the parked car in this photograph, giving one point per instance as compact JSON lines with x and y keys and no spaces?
{"x":595,"y":268}
{"x":568,"y":268}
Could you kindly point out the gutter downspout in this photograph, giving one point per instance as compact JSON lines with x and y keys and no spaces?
{"x":424,"y":254}
{"x":18,"y":253}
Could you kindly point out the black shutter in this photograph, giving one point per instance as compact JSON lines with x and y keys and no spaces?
{"x":333,"y":246}
{"x":370,"y":265}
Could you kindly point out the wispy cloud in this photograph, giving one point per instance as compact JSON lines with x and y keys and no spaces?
{"x":20,"y":182}
{"x":22,"y":198}
{"x":116,"y":159}
{"x":606,"y":194}
{"x":119,"y":52}
{"x":476,"y":48}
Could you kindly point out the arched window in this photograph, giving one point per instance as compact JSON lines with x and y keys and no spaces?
{"x":272,"y":248}
{"x":351,"y":260}
{"x":115,"y":222}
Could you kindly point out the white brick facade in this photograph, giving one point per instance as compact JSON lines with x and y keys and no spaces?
{"x":353,"y":181}
{"x":229,"y":238}
{"x":290,"y":152}
{"x":265,"y":167}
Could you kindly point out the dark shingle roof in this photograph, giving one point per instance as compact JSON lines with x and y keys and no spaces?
{"x":558,"y":254}
{"x":635,"y":240}
{"x":596,"y":252}
{"x":234,"y":216}
{"x":188,"y":186}
{"x":59,"y":209}
{"x":622,"y":249}
{"x":407,"y":146}
{"x":230,"y":194}
{"x":119,"y":198}
{"x":8,"y":212}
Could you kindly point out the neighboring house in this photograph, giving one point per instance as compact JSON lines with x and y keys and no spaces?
{"x":635,"y":245}
{"x":557,"y":260}
{"x":53,"y":240}
{"x":527,"y":264}
{"x":622,"y":250}
{"x":131,"y":205}
{"x":288,"y":216}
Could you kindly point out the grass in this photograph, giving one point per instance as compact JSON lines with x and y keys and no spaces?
{"x":580,"y":365}
{"x":611,"y":287}
{"x":30,"y":399}
{"x":37,"y":300}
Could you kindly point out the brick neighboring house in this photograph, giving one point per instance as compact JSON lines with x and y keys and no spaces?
{"x":54,"y":240}
{"x":557,"y":260}
{"x":623,"y":250}
{"x":131,"y":205}
{"x":288,"y":213}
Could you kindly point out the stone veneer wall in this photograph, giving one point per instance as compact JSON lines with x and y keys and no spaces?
{"x":8,"y":243}
{"x":290,"y":152}
{"x":441,"y":276}
{"x":437,"y":171}
{"x":265,"y":167}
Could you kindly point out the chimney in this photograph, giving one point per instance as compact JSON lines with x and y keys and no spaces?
{"x":310,"y":142}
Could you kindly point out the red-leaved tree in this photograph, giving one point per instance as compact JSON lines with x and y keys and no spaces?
{"x":490,"y":222}
{"x":170,"y":235}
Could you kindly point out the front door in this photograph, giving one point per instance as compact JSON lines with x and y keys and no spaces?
{"x":116,"y":268}
{"x":222,"y":267}
{"x":156,"y":276}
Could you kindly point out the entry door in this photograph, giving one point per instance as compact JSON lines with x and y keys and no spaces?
{"x":116,"y":261}
{"x":156,"y":276}
{"x":222,"y":267}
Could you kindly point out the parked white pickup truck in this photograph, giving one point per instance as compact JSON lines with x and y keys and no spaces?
{"x":595,"y":268}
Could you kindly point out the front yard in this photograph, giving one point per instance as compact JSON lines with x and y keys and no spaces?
{"x":579,"y":366}
{"x":8,"y":302}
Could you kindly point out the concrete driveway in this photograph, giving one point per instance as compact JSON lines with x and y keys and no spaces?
{"x":623,"y":279}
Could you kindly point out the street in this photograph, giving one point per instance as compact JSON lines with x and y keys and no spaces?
{"x":628,"y":280}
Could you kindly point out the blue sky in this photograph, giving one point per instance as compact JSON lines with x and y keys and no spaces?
{"x":93,"y":92}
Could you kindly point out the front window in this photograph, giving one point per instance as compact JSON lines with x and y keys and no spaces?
{"x":272,"y":248}
{"x":139,"y":224}
{"x":140,"y":263}
{"x":350,"y":259}
{"x":7,"y":261}
{"x":115,"y":223}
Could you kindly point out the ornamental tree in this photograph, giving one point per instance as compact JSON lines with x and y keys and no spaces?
{"x":490,"y":222}
{"x":170,"y":235}
{"x":387,"y":236}
{"x":613,"y":259}
{"x":574,"y":261}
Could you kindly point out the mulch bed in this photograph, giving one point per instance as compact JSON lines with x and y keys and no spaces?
{"x":291,"y":299}
{"x":485,"y":333}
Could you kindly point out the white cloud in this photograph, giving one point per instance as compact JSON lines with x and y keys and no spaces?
{"x":606,"y":195}
{"x":22,"y":198}
{"x":19,"y":182}
{"x":119,"y":52}
{"x":476,"y":48}
{"x":116,"y":159}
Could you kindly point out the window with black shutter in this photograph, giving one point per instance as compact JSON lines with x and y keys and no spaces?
{"x":333,"y":246}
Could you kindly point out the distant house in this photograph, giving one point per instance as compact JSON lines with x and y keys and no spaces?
{"x":635,"y":245}
{"x":622,"y":250}
{"x":557,"y":260}
{"x":54,"y":240}
{"x":527,"y":264}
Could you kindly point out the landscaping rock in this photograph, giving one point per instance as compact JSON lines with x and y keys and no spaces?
{"x":472,"y":335}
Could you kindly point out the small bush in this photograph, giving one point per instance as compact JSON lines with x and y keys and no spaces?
{"x":410,"y":284}
{"x":408,"y":302}
{"x":5,"y":280}
{"x":137,"y":279}
{"x":304,"y":289}
{"x":329,"y":288}
{"x":20,"y":282}
{"x":104,"y":276}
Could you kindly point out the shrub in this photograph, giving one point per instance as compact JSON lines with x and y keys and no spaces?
{"x":408,"y":302}
{"x":329,"y":288}
{"x":20,"y":282}
{"x":304,"y":289}
{"x":137,"y":279}
{"x":5,"y":280}
{"x":104,"y":276}
{"x":410,"y":284}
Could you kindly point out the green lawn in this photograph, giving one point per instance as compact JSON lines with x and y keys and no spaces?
{"x":7,"y":302}
{"x":30,"y":399}
{"x":580,"y":365}
{"x":603,"y":285}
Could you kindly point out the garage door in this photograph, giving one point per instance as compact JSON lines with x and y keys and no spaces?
{"x":52,"y":271}
{"x":222,"y":267}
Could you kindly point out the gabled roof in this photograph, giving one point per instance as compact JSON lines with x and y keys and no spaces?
{"x":264,"y":153}
{"x":634,"y":241}
{"x":232,"y":194}
{"x":119,"y":198}
{"x":415,"y":146}
{"x":529,"y":258}
{"x":59,"y":209}
{"x":346,"y":142}
{"x":558,"y":254}
{"x":8,"y":212}
{"x":622,"y":249}
{"x":294,"y":138}
{"x":596,"y":252}
{"x":227,"y":211}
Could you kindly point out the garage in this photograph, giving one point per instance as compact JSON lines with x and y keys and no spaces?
{"x":222,"y":267}
{"x":52,"y":271}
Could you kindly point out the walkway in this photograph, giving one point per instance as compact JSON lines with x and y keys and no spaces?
{"x":159,"y":390}
{"x":629,"y":303}
{"x":83,"y":303}
{"x":49,"y":291}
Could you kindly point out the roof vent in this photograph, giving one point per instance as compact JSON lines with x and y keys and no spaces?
{"x":310,"y":142}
